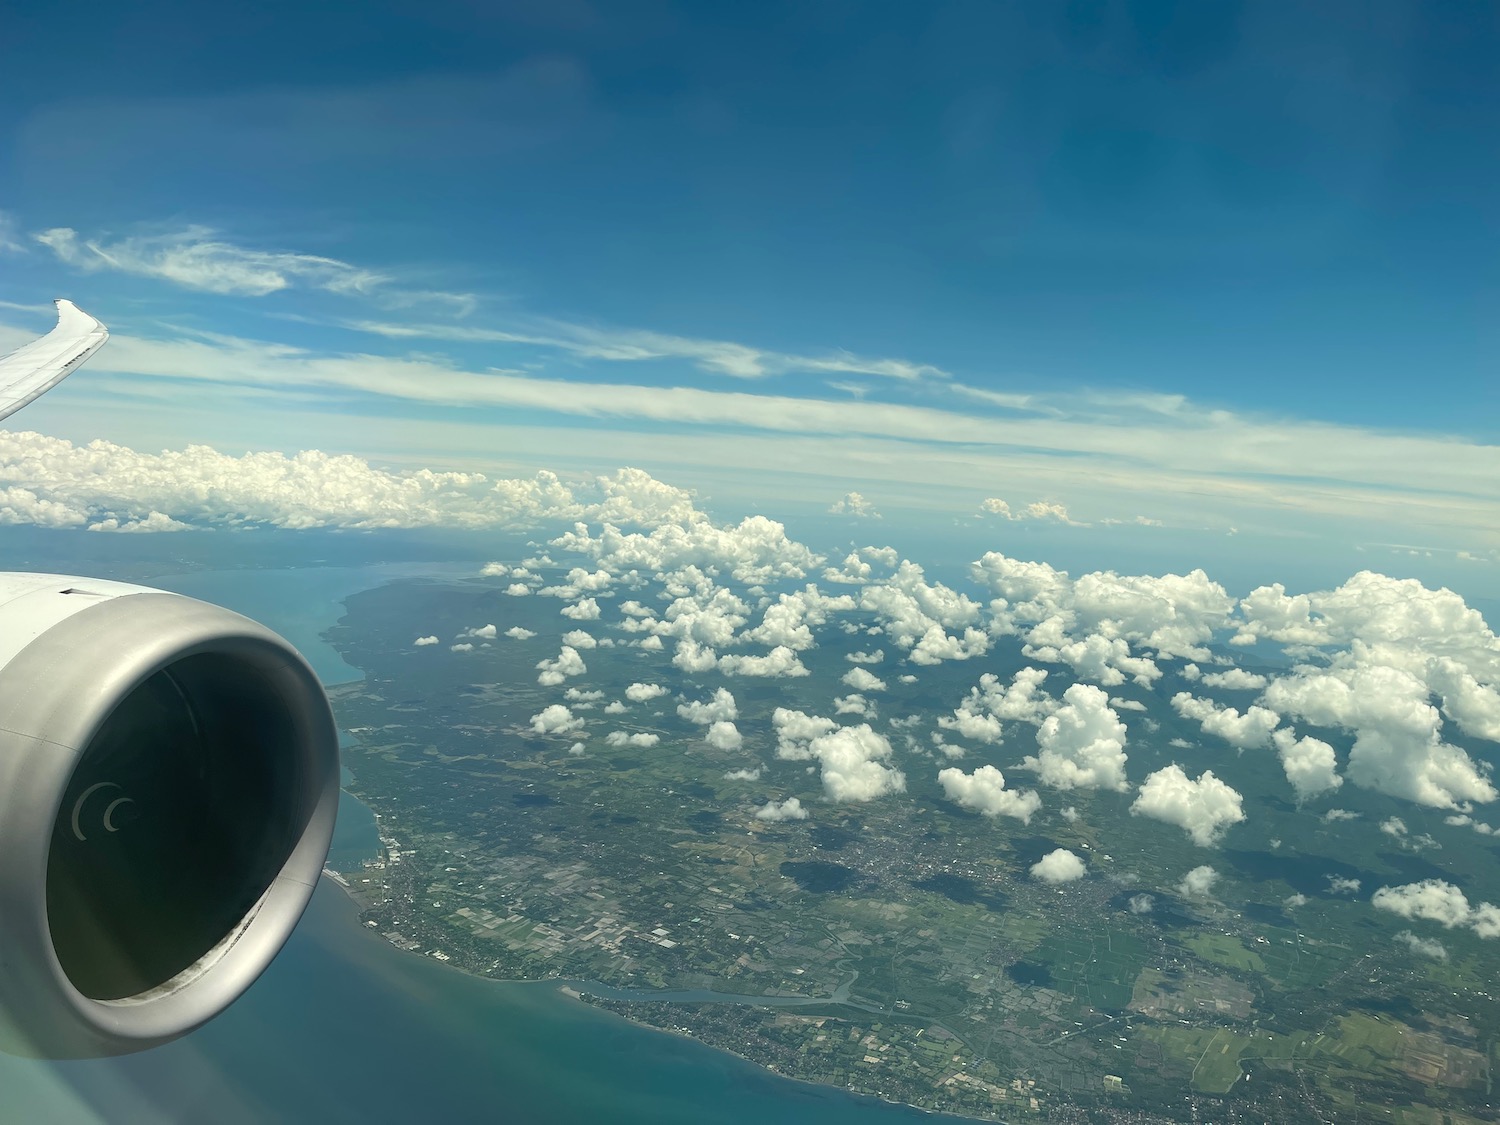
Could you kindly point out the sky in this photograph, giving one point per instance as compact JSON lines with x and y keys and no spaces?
{"x":1190,"y":284}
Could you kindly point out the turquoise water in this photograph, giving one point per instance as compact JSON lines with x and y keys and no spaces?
{"x":345,"y":1028}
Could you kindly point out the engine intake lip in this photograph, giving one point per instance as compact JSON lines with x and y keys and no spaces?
{"x":56,"y":695}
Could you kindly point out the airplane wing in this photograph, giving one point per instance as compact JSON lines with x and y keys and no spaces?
{"x":42,"y":364}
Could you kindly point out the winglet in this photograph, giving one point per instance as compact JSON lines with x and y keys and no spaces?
{"x":42,"y":364}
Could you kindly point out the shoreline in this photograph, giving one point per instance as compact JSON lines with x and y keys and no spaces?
{"x":577,"y":996}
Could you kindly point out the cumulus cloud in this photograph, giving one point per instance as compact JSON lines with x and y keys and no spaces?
{"x":795,"y":731}
{"x":988,"y":705}
{"x":585,"y":609}
{"x":984,"y":791}
{"x":756,"y":550}
{"x":720,"y":708}
{"x":568,"y":663}
{"x":484,"y":631}
{"x":580,"y":695}
{"x":1438,"y":901}
{"x":851,"y":759}
{"x":723,"y":735}
{"x":743,"y":775}
{"x":1340,"y":885}
{"x":788,"y":621}
{"x":690,"y":656}
{"x":518,"y":590}
{"x":1235,"y":679}
{"x":1333,"y":815}
{"x":790,"y":809}
{"x":1198,"y":882}
{"x":1248,"y":731}
{"x":1310,"y":763}
{"x":1060,"y":866}
{"x":1423,"y":947}
{"x":421,"y":641}
{"x":917,"y":615}
{"x":1082,"y":743}
{"x":463,"y":647}
{"x":555,"y":719}
{"x":861,"y":680}
{"x":1142,"y":904}
{"x":1396,"y":646}
{"x":780,"y":662}
{"x":640,"y":738}
{"x":641,"y":693}
{"x":1204,"y":808}
{"x":579,"y":639}
{"x":516,"y":633}
{"x":853,"y":504}
{"x":865,"y":657}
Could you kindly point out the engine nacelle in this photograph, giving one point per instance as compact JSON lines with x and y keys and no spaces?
{"x":169,"y":779}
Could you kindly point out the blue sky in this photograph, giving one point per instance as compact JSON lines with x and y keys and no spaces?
{"x":1226,"y":266}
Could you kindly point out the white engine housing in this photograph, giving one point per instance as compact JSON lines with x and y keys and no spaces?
{"x":169,"y":780}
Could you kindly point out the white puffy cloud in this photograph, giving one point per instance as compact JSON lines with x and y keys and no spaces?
{"x":1251,"y":730}
{"x":422,"y":641}
{"x":1423,"y":947}
{"x":484,"y":631}
{"x":518,"y":590}
{"x":568,"y":663}
{"x":1235,"y":679}
{"x":855,"y":704}
{"x":988,"y":705}
{"x":723,"y":735}
{"x":615,"y":707}
{"x":555,"y":719}
{"x":984,"y":791}
{"x":54,"y":483}
{"x":1142,"y":904}
{"x":640,"y":738}
{"x":1393,"y":826}
{"x":788,"y":622}
{"x":581,"y":695}
{"x":1173,"y":615}
{"x":1310,"y":763}
{"x":1037,"y":510}
{"x":743,"y":775}
{"x":780,"y":662}
{"x":865,"y":657}
{"x":1205,"y":807}
{"x":1082,"y":743}
{"x":1396,"y":645}
{"x":1398,"y":747}
{"x":1438,"y":901}
{"x":859,"y":566}
{"x":641,"y":693}
{"x":851,"y":758}
{"x":690,"y":656}
{"x":1060,"y":866}
{"x":720,"y":708}
{"x":585,"y":609}
{"x":790,"y":809}
{"x":916,"y":615}
{"x":756,"y":550}
{"x":1198,"y":882}
{"x":577,"y":638}
{"x":577,"y":748}
{"x":465,"y":646}
{"x":1105,"y":660}
{"x":517,"y":633}
{"x":853,"y":504}
{"x":861,"y":680}
{"x":795,"y":731}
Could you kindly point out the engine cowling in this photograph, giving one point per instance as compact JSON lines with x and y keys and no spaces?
{"x":169,"y":780}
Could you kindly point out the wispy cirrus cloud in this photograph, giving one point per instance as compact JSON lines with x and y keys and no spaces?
{"x":196,"y":257}
{"x":633,"y":345}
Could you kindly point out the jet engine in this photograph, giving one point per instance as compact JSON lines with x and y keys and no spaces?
{"x":169,"y":780}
